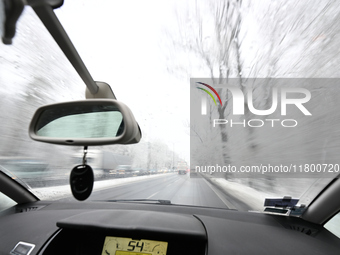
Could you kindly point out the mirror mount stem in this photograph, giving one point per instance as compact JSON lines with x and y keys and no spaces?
{"x":44,"y":10}
{"x":104,"y":91}
{"x":47,"y":16}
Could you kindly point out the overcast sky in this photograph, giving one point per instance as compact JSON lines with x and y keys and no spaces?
{"x":119,"y":41}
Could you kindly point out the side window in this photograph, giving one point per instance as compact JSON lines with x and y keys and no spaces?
{"x":333,"y":225}
{"x":5,"y":202}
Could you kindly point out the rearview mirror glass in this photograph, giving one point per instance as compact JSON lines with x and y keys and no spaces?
{"x":94,"y":121}
{"x":86,"y":122}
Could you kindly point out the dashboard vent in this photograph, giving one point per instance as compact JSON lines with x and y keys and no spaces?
{"x":28,"y":209}
{"x":303,"y":229}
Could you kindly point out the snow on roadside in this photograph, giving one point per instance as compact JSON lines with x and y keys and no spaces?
{"x":254,"y":197}
{"x":59,"y":192}
{"x":250,"y":196}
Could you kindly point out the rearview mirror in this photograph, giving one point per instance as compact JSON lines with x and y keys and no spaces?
{"x":85,"y":122}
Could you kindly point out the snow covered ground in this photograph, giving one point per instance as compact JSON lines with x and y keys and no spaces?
{"x":59,"y":192}
{"x":253,"y":193}
{"x":250,"y":192}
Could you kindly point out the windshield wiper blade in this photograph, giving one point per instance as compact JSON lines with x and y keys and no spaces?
{"x":161,"y":201}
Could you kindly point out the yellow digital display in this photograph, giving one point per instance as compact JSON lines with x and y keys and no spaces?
{"x":130,"y":253}
{"x":128,"y":246}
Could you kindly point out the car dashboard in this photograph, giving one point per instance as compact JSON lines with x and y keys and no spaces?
{"x":142,"y":228}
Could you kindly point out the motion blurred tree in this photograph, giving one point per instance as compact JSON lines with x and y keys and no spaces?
{"x":208,"y":38}
{"x":33,"y":72}
{"x":256,"y":39}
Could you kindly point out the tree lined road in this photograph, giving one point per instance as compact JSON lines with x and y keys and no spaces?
{"x":179,"y":189}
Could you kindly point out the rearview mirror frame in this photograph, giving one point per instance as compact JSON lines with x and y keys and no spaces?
{"x":131,"y":133}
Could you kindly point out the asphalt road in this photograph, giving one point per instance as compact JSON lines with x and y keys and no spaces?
{"x":179,"y":189}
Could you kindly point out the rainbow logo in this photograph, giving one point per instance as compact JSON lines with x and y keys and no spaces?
{"x":204,"y":101}
{"x":213,"y":90}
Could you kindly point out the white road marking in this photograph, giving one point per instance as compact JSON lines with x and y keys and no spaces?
{"x":220,"y":195}
{"x":152,"y":195}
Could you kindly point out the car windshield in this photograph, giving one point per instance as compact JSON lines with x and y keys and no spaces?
{"x":236,"y":100}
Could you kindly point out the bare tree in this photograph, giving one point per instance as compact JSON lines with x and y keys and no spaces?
{"x":209,"y":35}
